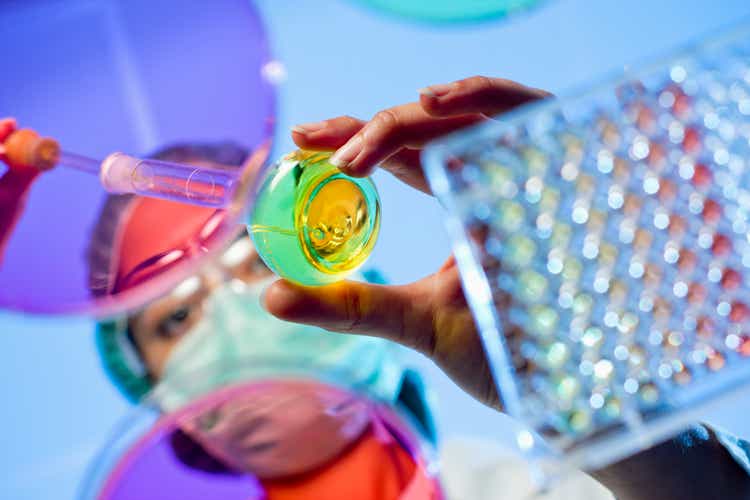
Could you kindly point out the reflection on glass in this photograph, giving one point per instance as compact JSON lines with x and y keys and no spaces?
{"x":451,"y":11}
{"x":139,"y":103}
{"x":273,"y":439}
{"x":188,"y":351}
{"x":212,"y":318}
{"x":137,"y":238}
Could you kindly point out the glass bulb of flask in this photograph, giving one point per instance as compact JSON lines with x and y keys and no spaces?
{"x":311,"y":223}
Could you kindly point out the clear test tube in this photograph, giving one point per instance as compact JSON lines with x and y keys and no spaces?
{"x":205,"y":186}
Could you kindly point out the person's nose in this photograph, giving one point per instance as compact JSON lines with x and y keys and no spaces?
{"x":213,"y":277}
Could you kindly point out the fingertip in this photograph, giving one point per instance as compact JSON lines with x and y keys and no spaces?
{"x":439,"y":90}
{"x":280,"y":298}
{"x":354,"y":169}
{"x":432,"y":105}
{"x":326,"y":135}
{"x":264,"y":292}
{"x":314,"y":143}
{"x":300,"y":139}
{"x":446,"y":104}
{"x":7,"y":125}
{"x":431,"y":98}
{"x":309,"y":128}
{"x":302,"y":134}
{"x":426,"y":92}
{"x":345,"y":158}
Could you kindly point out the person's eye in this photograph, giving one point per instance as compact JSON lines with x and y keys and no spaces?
{"x":176,"y":323}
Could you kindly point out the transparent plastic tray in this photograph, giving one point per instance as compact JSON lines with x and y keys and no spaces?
{"x":604,"y":243}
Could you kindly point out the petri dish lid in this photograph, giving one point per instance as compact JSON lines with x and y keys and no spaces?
{"x":149,"y":455}
{"x":138,"y":77}
{"x":451,"y":11}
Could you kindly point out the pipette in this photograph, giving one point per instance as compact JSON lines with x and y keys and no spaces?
{"x":120,"y":173}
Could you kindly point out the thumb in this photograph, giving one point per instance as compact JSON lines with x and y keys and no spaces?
{"x":396,"y":313}
{"x":7,"y":126}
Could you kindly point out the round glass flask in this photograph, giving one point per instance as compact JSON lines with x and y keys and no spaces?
{"x":311,"y":223}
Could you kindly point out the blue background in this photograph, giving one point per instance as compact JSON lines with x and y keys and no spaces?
{"x":340,"y":58}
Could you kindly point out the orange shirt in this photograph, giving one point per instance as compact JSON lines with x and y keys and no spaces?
{"x":370,"y":470}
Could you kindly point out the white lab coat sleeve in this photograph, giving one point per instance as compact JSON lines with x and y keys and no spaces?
{"x":483,"y":470}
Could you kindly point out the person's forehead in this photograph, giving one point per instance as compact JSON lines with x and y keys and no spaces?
{"x":239,"y":250}
{"x":156,"y":226}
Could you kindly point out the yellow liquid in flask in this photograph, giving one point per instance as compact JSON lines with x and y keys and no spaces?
{"x":311,"y":223}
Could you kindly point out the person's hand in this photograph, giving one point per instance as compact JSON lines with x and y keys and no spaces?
{"x":430,"y":315}
{"x":15,"y":182}
{"x":7,"y":127}
{"x":27,"y":172}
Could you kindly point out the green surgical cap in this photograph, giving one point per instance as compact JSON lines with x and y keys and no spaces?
{"x":120,"y":359}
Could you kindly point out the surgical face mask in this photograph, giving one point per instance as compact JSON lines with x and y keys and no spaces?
{"x":278,"y":429}
{"x":238,"y":340}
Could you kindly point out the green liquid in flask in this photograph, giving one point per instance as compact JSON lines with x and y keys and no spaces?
{"x":312,"y":224}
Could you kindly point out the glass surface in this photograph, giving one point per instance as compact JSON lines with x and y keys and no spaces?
{"x":147,"y":76}
{"x":312,"y":224}
{"x":152,"y":457}
{"x":451,"y":10}
{"x":203,"y":186}
{"x":615,"y":224}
